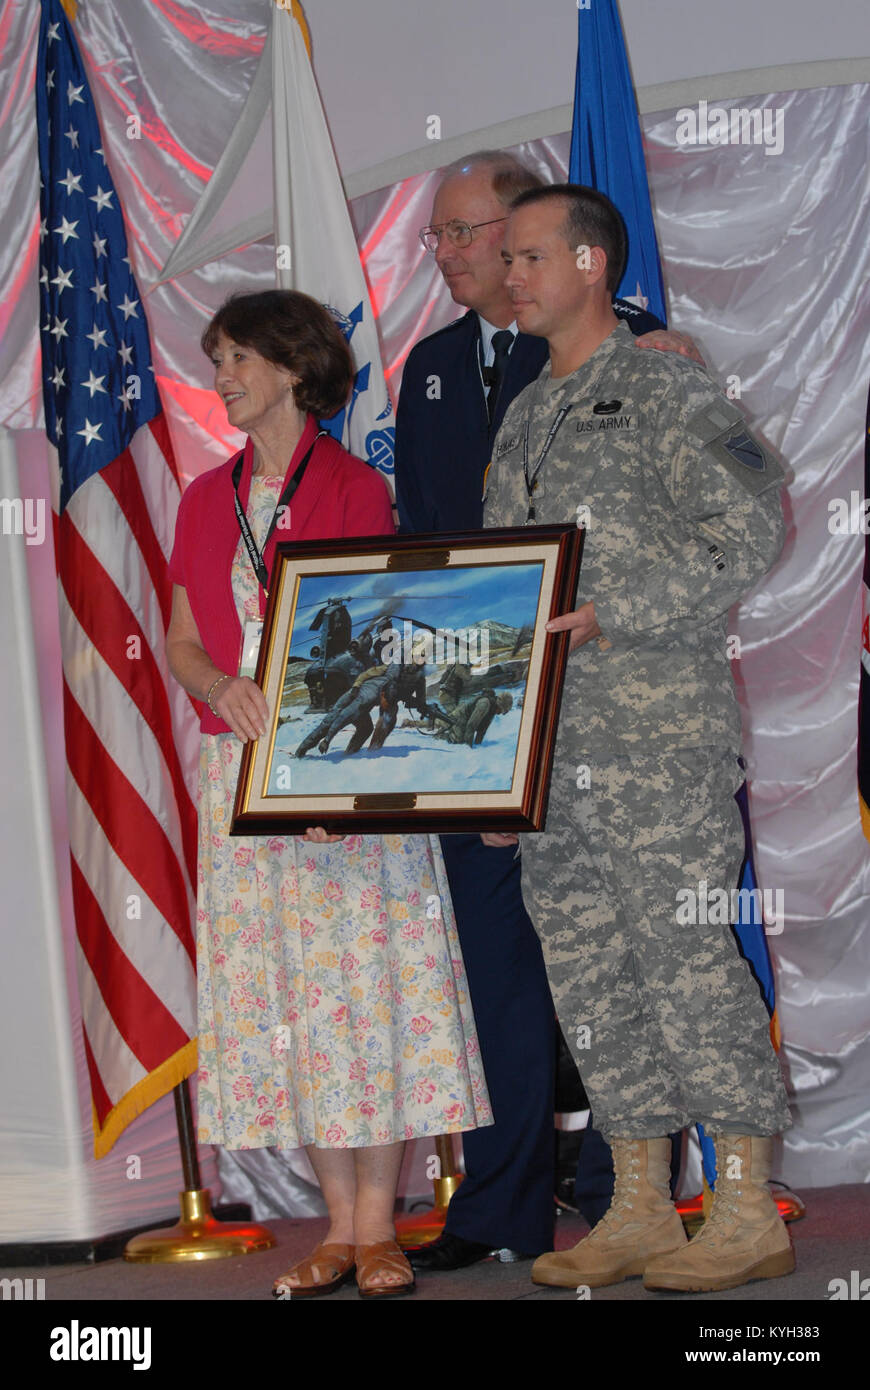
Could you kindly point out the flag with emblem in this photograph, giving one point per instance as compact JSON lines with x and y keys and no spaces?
{"x":131,"y":733}
{"x":607,"y":154}
{"x":291,"y":154}
{"x":607,"y":147}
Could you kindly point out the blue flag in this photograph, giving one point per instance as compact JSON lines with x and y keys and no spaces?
{"x":607,"y":149}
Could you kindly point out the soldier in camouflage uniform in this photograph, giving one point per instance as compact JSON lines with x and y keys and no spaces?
{"x":683,"y":517}
{"x":468,"y":721}
{"x":474,"y":715}
{"x":452,"y":684}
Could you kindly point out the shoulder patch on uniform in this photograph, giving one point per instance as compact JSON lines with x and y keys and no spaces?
{"x":721,"y":428}
{"x":742,"y":447}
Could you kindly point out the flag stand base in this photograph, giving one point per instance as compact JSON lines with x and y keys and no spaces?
{"x":421,"y":1228}
{"x":791,"y":1208}
{"x":198,"y":1236}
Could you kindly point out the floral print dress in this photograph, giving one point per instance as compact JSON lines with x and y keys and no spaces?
{"x":333,"y":1004}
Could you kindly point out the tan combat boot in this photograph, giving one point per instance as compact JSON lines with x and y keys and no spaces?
{"x":743,"y":1238}
{"x":640,"y":1222}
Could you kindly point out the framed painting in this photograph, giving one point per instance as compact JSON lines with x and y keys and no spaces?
{"x":411,"y":683}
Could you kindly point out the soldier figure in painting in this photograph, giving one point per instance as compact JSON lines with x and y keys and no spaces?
{"x":384,"y":686}
{"x":467,"y":721}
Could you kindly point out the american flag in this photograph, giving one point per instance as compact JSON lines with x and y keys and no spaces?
{"x":131,"y":815}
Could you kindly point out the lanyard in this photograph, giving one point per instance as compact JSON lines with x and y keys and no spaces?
{"x":532,"y":481}
{"x":256,"y":556}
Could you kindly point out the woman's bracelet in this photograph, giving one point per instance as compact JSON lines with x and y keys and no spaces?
{"x":212,"y":688}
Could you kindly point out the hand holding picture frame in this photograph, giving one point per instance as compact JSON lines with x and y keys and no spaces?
{"x":411,"y":683}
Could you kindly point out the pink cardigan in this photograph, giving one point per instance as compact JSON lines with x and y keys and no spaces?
{"x":338,"y":496}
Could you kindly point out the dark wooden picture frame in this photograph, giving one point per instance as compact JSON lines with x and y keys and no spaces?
{"x":480,"y":756}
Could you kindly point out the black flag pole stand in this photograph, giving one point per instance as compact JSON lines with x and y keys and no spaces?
{"x":198,"y":1235}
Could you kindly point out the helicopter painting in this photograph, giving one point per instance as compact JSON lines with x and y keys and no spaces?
{"x":453,"y":708}
{"x":390,"y":678}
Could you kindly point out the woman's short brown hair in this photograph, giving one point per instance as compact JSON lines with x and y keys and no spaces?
{"x":293,"y":331}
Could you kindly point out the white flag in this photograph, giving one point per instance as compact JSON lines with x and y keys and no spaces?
{"x":315,"y":247}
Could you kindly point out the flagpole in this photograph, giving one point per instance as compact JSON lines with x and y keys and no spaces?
{"x":198,"y":1235}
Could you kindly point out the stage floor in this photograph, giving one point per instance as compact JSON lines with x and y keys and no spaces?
{"x":831,"y":1241}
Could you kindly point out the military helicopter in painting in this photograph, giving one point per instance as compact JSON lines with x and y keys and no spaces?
{"x":340,"y":657}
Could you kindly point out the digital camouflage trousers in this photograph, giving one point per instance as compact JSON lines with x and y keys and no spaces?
{"x":662,"y":1014}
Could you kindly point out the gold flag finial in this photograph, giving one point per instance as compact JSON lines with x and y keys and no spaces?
{"x":297,"y":12}
{"x":71,"y":9}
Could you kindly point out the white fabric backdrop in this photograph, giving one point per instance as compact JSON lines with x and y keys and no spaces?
{"x":766,"y":262}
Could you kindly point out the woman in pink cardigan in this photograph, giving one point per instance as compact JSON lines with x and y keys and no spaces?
{"x":333,"y":1010}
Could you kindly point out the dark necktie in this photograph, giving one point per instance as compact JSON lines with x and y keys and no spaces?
{"x":502,"y":343}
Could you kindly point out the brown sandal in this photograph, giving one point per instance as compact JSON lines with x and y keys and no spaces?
{"x":338,"y":1259}
{"x":384,"y":1257}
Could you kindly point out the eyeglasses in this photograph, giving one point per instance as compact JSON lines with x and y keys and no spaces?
{"x":458,"y":233}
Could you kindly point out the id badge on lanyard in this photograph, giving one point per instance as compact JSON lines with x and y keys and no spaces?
{"x":253,"y":631}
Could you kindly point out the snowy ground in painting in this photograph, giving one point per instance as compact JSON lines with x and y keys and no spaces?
{"x":410,"y":760}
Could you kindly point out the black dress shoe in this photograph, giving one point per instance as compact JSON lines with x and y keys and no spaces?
{"x":447,"y":1252}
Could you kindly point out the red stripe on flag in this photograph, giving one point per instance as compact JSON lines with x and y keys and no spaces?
{"x":99,"y":1095}
{"x":146,"y":1025}
{"x":128,"y":823}
{"x":160,"y":430}
{"x":122,"y":480}
{"x":109,"y":622}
